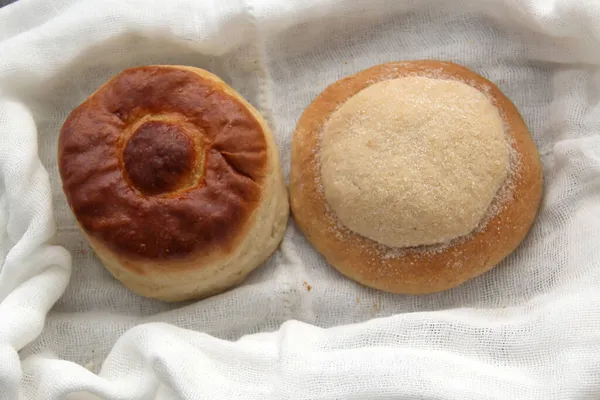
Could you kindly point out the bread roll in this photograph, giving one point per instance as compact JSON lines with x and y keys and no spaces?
{"x":175,"y":181}
{"x":414,"y":177}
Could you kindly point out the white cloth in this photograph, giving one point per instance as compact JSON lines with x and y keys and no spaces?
{"x":530,"y":329}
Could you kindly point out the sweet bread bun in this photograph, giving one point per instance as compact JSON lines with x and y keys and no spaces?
{"x":175,"y":180}
{"x":414,"y":177}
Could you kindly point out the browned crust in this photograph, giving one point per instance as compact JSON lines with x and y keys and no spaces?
{"x":207,"y":219}
{"x":413,"y":270}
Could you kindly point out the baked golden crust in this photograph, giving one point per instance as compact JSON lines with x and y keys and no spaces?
{"x":175,"y":180}
{"x":422,"y":269}
{"x":118,"y":184}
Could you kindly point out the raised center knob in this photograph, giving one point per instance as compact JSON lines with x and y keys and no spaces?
{"x":159,"y":157}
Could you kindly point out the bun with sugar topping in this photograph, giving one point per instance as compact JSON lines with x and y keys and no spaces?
{"x":414,"y":177}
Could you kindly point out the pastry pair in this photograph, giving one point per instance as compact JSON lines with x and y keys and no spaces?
{"x":409,"y":177}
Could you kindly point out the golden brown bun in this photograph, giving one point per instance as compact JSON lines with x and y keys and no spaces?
{"x":175,"y":180}
{"x":412,"y":270}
